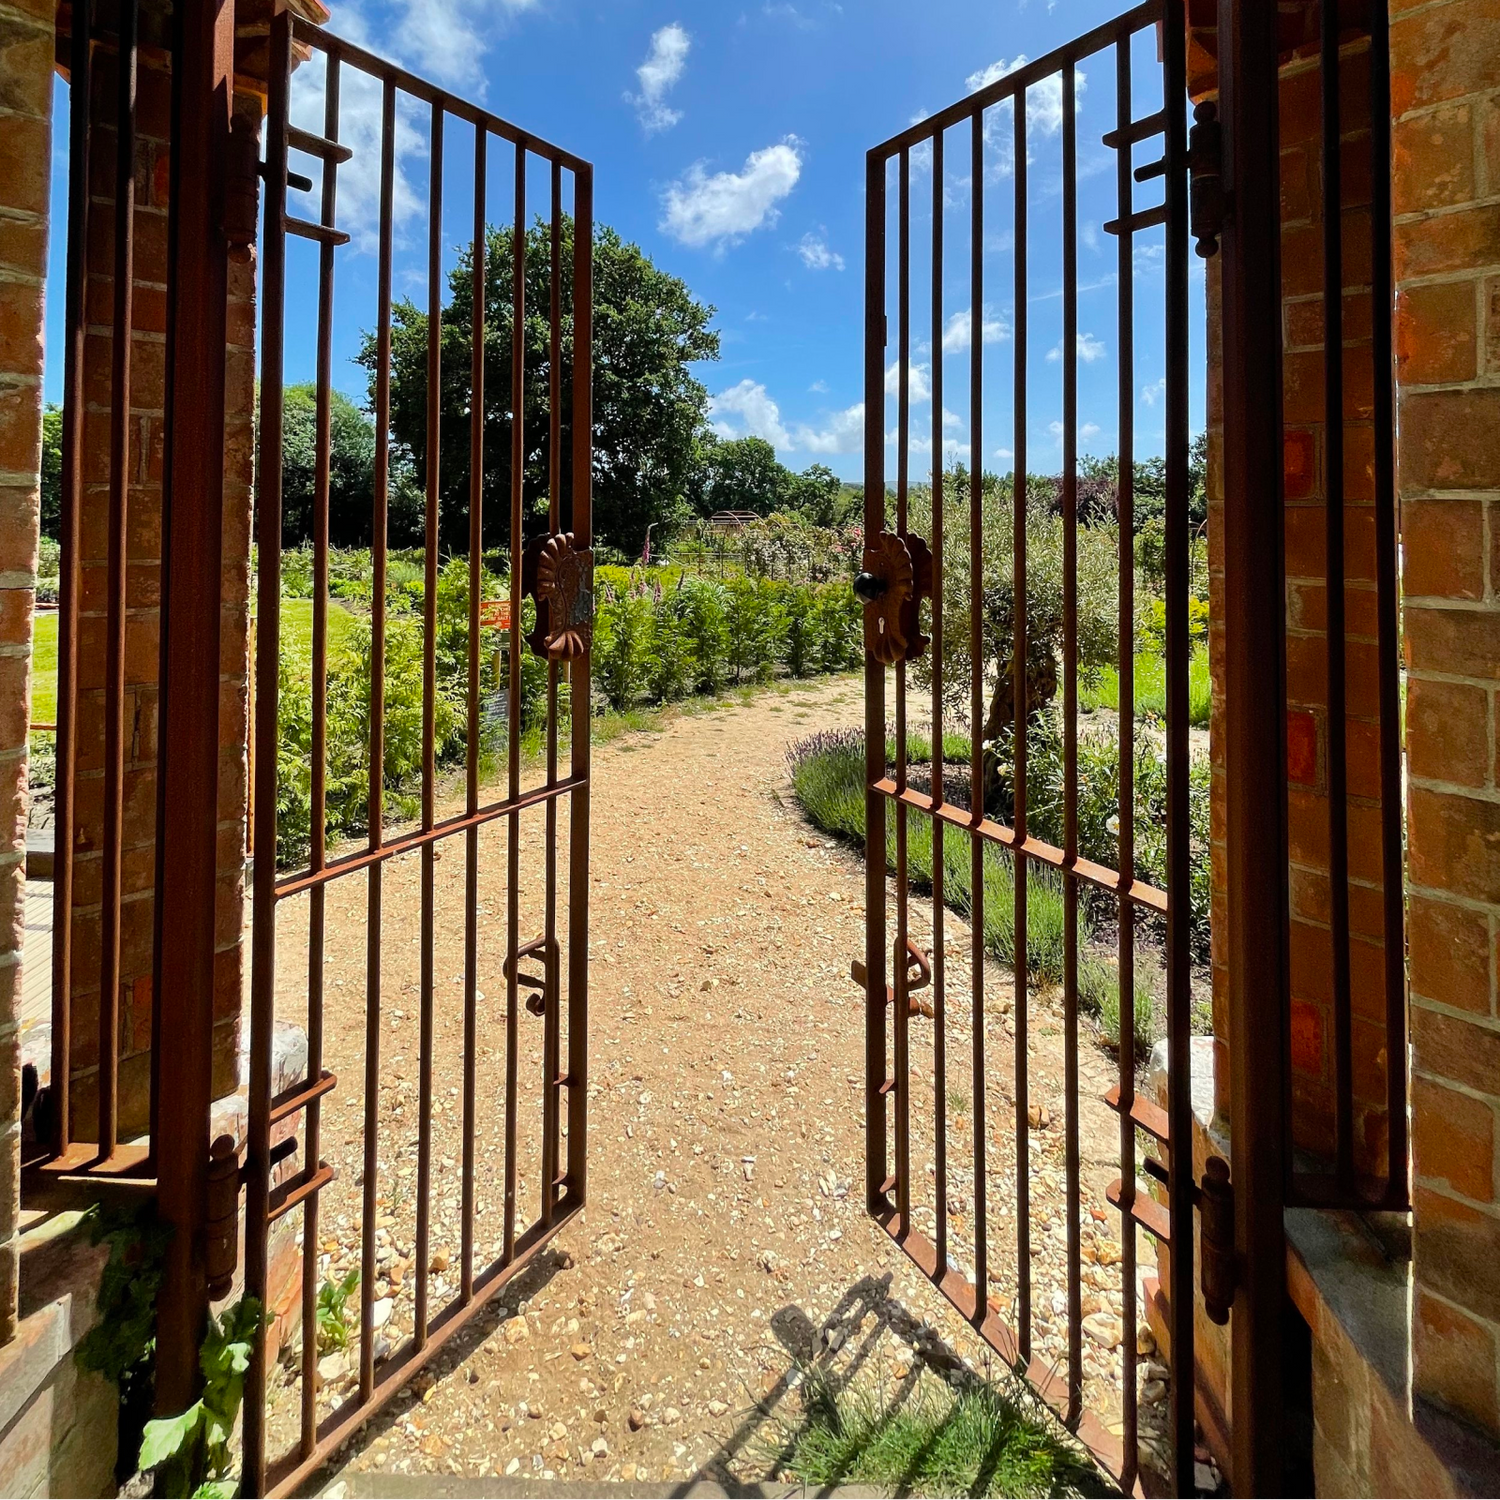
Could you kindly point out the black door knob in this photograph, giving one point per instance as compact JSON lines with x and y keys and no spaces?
{"x":869,"y":587}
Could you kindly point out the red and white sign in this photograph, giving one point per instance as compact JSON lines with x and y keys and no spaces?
{"x":494,"y":614}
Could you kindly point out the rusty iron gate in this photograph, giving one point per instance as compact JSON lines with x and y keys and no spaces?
{"x":989,"y":1280}
{"x":545,"y":417}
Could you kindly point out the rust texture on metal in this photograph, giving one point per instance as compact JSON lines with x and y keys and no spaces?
{"x":560,"y":573}
{"x":997,"y":1280}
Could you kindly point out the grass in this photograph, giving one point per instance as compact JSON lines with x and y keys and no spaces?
{"x":981,"y":1440}
{"x":828,"y":781}
{"x":1151,"y":689}
{"x":296,"y":625}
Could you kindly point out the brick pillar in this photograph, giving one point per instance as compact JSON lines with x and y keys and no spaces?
{"x":143,"y":602}
{"x":26,"y":49}
{"x":1446,"y":101}
{"x":1311,"y":952}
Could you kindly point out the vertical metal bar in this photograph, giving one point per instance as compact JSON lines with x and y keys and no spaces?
{"x":1070,"y":736}
{"x":1387,"y":605}
{"x":317,"y":897}
{"x":939,"y":961}
{"x":1255,"y":739}
{"x":1125,"y":274}
{"x":875,"y":955}
{"x":188,"y":777}
{"x":1180,"y":1185}
{"x":479,"y":258}
{"x":1333,"y":508}
{"x":429,"y":715}
{"x":550,"y":966}
{"x":513,"y":822}
{"x":80,"y":85}
{"x":977,"y":715}
{"x":115,"y":607}
{"x":578,"y":823}
{"x":901,"y":1069}
{"x":1018,"y":756}
{"x":375,"y":877}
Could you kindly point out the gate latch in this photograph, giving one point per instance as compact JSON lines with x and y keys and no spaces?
{"x":1215,"y":1197}
{"x":918,"y":977}
{"x":1206,"y":169}
{"x":558,"y":574}
{"x":895,"y":576}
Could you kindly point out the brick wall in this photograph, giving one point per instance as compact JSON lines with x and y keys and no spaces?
{"x":1446,"y":100}
{"x":25,"y":124}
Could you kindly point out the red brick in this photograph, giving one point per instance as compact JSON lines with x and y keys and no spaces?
{"x":1454,"y":844}
{"x":1457,"y":1251}
{"x":1449,"y":953}
{"x":1453,"y":1140}
{"x":1456,"y":241}
{"x":1306,"y":538}
{"x":1311,"y":962}
{"x":1448,"y":440}
{"x":1307,"y":1039}
{"x":1461,"y":1050}
{"x":1435,"y":333}
{"x":1443,"y":548}
{"x":1458,"y":641}
{"x":1303,"y":748}
{"x":1433,"y":160}
{"x":1454,"y":1362}
{"x":1447,"y":732}
{"x":1444,"y":52}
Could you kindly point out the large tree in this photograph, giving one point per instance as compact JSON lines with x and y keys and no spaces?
{"x":648,"y":331}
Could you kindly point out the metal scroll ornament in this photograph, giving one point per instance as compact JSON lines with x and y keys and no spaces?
{"x":559,"y":575}
{"x":895,"y":576}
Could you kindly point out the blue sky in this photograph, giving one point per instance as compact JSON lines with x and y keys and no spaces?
{"x":728,"y":138}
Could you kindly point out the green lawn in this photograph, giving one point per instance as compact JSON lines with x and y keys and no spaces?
{"x":296,"y":624}
{"x":1151,"y":689}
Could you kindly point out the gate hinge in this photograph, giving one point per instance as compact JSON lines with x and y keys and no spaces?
{"x":1215,"y":1197}
{"x":1206,"y":169}
{"x":222,"y":1221}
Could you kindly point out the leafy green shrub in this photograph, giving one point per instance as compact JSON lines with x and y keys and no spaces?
{"x":622,"y":640}
{"x":698,"y":605}
{"x":838,"y":628}
{"x":754,"y":624}
{"x":801,"y":631}
{"x":671,"y":667}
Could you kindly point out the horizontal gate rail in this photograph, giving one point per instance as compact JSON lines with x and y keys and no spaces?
{"x":889,"y":793}
{"x":561,"y":995}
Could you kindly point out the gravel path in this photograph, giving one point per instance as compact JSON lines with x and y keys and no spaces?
{"x":725,"y":1245}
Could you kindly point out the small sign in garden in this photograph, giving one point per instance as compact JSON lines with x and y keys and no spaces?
{"x":494,"y":614}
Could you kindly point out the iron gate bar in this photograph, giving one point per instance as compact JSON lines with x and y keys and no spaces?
{"x":1019,"y":626}
{"x":1255,"y":739}
{"x":563,"y":1194}
{"x":1180,"y":1182}
{"x":317,"y":902}
{"x":121,"y":349}
{"x":976,"y":748}
{"x":1070,"y":736}
{"x":1334,"y":626}
{"x":476,"y":572}
{"x":1125,"y":517}
{"x":428,"y":976}
{"x":80,"y":87}
{"x":1387,"y":604}
{"x":939,"y":756}
{"x":890,"y":1197}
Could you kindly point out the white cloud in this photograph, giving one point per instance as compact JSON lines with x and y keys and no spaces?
{"x":1085,"y":432}
{"x":819,"y":387}
{"x":447,"y":40}
{"x":844,"y":433}
{"x":918,"y":384}
{"x":816,"y":255}
{"x":958,"y":332}
{"x":662,"y":68}
{"x":747,"y":410}
{"x":1044,"y":108}
{"x":360,"y":127}
{"x":1089,"y":349}
{"x":721,"y":210}
{"x":1149,"y":393}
